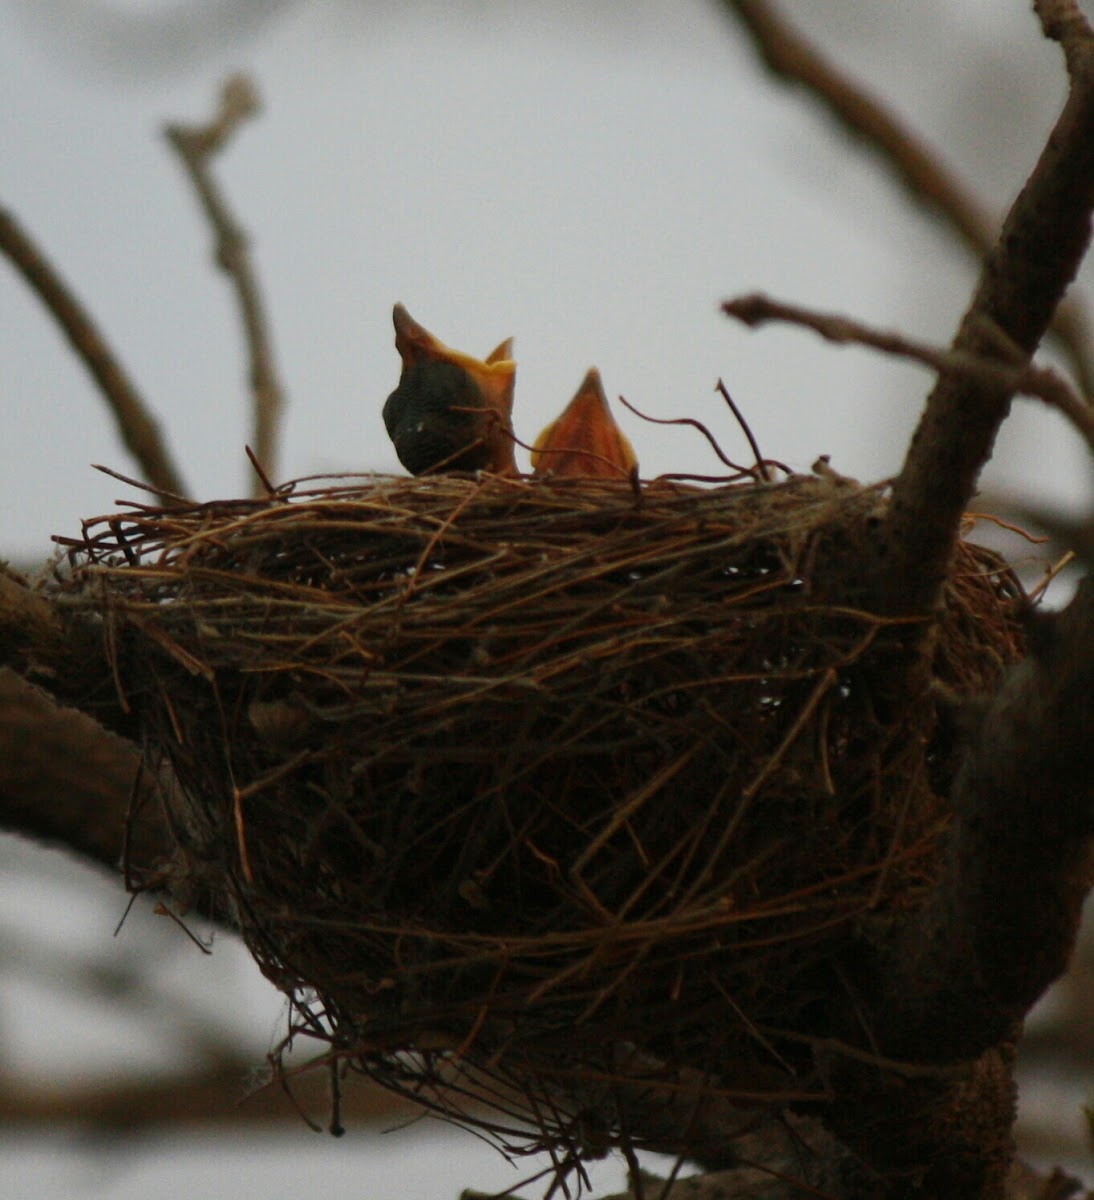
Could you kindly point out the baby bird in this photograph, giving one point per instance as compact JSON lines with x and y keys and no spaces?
{"x":450,"y":412}
{"x":585,"y":440}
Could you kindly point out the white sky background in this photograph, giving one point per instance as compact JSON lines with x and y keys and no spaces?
{"x":591,"y":177}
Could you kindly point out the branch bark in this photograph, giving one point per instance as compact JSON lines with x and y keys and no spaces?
{"x":216,"y":1095}
{"x":67,"y":781}
{"x":955,"y":982}
{"x":1002,"y":923}
{"x":71,"y":774}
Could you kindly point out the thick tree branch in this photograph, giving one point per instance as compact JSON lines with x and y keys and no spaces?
{"x":1042,"y":243}
{"x":216,"y":1095}
{"x":30,"y":629}
{"x":196,"y":146}
{"x":69,"y":775}
{"x":791,"y":57}
{"x":67,"y":781}
{"x":955,"y":981}
{"x":65,"y":657}
{"x":1003,"y":920}
{"x":136,"y":426}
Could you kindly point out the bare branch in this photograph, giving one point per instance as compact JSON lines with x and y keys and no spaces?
{"x":196,"y":145}
{"x":66,"y":780}
{"x":204,"y":1095}
{"x":136,"y":426}
{"x":1042,"y":383}
{"x":1001,"y":924}
{"x":1042,"y":243}
{"x":1063,"y":21}
{"x":791,"y":57}
{"x":64,"y":777}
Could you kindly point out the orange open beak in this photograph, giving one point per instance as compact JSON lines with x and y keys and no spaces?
{"x":585,"y":440}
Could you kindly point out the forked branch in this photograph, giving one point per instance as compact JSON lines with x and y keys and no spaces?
{"x":196,"y":145}
{"x":789,"y":56}
{"x":1042,"y":243}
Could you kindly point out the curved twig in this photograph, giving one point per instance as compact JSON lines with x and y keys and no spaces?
{"x":137,"y":427}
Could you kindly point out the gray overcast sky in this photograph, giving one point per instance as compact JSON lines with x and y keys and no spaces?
{"x":591,"y":178}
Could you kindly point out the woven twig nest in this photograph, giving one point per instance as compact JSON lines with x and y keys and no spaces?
{"x":504,"y":779}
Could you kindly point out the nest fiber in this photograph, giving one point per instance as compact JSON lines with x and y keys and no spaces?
{"x":506,"y":780}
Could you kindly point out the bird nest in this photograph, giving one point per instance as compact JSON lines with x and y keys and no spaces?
{"x":521,"y":789}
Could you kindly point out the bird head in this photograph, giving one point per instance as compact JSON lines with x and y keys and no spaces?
{"x":450,"y":411}
{"x":585,"y":440}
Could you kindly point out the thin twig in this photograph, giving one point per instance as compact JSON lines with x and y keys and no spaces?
{"x":196,"y":145}
{"x":267,"y":487}
{"x":791,"y":57}
{"x":761,"y":471}
{"x":761,"y":466}
{"x":1042,"y":383}
{"x":137,"y":427}
{"x":166,"y":497}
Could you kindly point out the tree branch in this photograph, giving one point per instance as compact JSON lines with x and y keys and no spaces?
{"x":1063,"y":21}
{"x":1041,"y":246}
{"x":1026,"y":379}
{"x":69,"y":775}
{"x":136,"y":426}
{"x":216,"y":1095}
{"x":791,"y":57}
{"x":67,"y":781}
{"x":196,"y":145}
{"x":65,"y":657}
{"x":1001,"y":924}
{"x":955,"y":980}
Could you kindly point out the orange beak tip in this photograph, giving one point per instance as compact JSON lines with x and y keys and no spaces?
{"x":501,"y":353}
{"x":585,"y":440}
